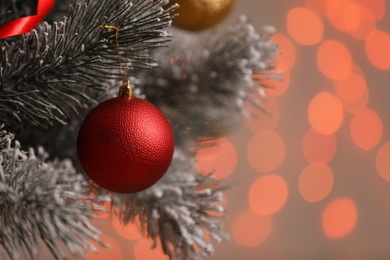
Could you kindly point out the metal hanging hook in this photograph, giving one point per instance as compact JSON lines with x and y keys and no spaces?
{"x":126,"y":90}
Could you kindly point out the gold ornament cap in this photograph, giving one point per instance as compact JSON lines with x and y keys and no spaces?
{"x":126,"y":90}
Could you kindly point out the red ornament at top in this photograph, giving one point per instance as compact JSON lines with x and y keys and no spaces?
{"x":125,"y":144}
{"x":26,"y":24}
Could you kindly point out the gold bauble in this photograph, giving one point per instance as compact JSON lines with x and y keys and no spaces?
{"x":197,"y":15}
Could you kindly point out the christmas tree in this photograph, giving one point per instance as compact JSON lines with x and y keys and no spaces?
{"x":52,"y":76}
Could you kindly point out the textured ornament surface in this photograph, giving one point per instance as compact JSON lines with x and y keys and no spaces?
{"x":125,"y":144}
{"x":197,"y":15}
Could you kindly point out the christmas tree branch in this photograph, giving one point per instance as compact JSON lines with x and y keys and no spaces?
{"x":43,"y":200}
{"x":48,"y":74}
{"x":203,"y":82}
{"x":181,"y":210}
{"x":11,"y":10}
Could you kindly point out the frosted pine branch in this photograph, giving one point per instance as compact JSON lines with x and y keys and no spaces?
{"x":48,"y":74}
{"x":203,"y":82}
{"x":45,"y":201}
{"x":180,"y":210}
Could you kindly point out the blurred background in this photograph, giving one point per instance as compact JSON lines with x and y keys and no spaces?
{"x":311,"y":180}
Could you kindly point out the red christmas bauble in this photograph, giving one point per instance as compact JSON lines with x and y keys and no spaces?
{"x":125,"y":144}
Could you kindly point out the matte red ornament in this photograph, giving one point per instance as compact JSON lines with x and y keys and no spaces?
{"x":125,"y":144}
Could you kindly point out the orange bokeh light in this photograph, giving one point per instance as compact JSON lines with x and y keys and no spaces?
{"x":352,"y":88}
{"x":339,"y":218}
{"x":366,"y":129}
{"x":276,"y":88}
{"x":377,"y":7}
{"x":286,"y":49}
{"x":130,"y":231}
{"x":382,"y":161}
{"x":220,"y":159}
{"x":304,"y":26}
{"x":317,"y":147}
{"x":315,"y":182}
{"x":377,"y":49}
{"x":113,"y":252}
{"x":358,"y":71}
{"x":325,"y":113}
{"x":266,"y":151}
{"x":317,"y":5}
{"x":268,"y":194}
{"x":351,"y":18}
{"x":260,"y":120}
{"x":344,"y":15}
{"x":334,"y":59}
{"x":143,"y":250}
{"x":366,"y":25}
{"x":251,"y":230}
{"x":355,"y":106}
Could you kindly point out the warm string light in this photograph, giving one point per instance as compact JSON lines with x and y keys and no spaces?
{"x":357,"y":18}
{"x":325,"y":113}
{"x":339,"y":218}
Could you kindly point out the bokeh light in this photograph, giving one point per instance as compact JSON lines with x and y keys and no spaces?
{"x":382,"y":161}
{"x":260,"y":120}
{"x":334,"y":59}
{"x":355,"y":69}
{"x":339,"y":218}
{"x":344,"y":15}
{"x":251,"y":230}
{"x":286,"y":50}
{"x":143,"y":250}
{"x":317,"y":5}
{"x":325,"y":113}
{"x":304,"y":26}
{"x":352,"y":88}
{"x":220,"y":159}
{"x":315,"y":182}
{"x":266,"y":151}
{"x":268,"y":194}
{"x":354,"y":107}
{"x":129,"y":231}
{"x":276,"y":88}
{"x":366,"y":26}
{"x":113,"y":252}
{"x":377,"y":7}
{"x":317,"y":147}
{"x":351,"y":18}
{"x":377,"y":49}
{"x":366,"y":129}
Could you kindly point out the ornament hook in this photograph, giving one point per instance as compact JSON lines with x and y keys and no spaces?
{"x":125,"y":90}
